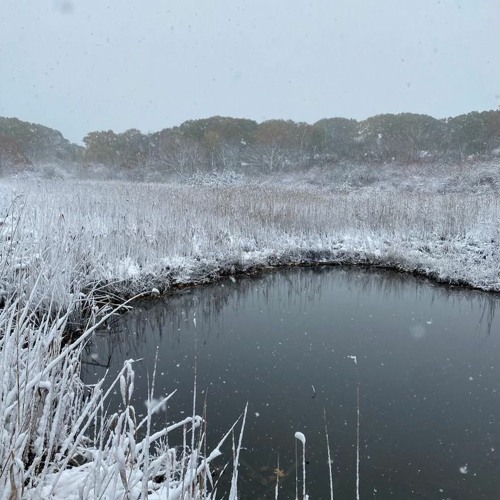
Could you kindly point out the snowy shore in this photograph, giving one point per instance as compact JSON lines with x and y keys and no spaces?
{"x":129,"y":238}
{"x":69,"y":249}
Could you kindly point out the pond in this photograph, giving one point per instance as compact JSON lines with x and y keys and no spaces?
{"x":428,"y":373}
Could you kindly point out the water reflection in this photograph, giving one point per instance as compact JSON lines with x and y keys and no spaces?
{"x":428,"y":372}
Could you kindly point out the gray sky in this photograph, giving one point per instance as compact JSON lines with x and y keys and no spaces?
{"x":84,"y":65}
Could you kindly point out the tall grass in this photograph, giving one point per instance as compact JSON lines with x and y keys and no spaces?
{"x":118,"y":238}
{"x":70,"y":252}
{"x":56,"y":439}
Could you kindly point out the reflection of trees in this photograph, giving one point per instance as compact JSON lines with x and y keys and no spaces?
{"x":297,"y":289}
{"x":172,"y":318}
{"x":488,"y":313}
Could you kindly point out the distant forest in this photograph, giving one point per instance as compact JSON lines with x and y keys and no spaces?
{"x":241,"y":145}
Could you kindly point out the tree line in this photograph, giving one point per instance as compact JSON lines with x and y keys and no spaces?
{"x":23,"y":143}
{"x":224,"y":143}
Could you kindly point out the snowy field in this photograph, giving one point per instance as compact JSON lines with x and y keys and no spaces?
{"x":71,"y":251}
{"x":72,"y":238}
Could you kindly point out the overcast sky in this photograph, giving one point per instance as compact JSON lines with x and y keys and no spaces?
{"x":84,"y":65}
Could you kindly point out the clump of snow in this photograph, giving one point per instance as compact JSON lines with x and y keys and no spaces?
{"x":300,"y":437}
{"x":354,"y":358}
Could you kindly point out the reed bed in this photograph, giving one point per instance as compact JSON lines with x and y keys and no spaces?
{"x":123,"y":239}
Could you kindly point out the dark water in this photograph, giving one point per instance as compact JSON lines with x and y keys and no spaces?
{"x":428,"y":373}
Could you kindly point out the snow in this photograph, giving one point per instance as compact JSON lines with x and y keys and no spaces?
{"x":201,"y":233}
{"x":111,"y":246}
{"x":300,"y":437}
{"x":354,"y":358}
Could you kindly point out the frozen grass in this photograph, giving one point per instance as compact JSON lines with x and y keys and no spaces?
{"x":117,"y":238}
{"x":70,"y":251}
{"x":56,"y":440}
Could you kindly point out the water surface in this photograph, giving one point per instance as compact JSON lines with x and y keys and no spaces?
{"x":428,"y":373}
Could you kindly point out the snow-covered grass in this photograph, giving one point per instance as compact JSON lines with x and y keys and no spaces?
{"x":56,"y":440}
{"x":70,"y":252}
{"x":119,"y":238}
{"x":470,"y":176}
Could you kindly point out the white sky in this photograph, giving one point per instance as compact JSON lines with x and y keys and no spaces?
{"x":86,"y":65}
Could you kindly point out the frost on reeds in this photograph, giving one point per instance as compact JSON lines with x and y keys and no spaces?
{"x":329,"y":456}
{"x":41,"y":397}
{"x":56,"y":440}
{"x":114,"y":240}
{"x":355,"y":359}
{"x":299,"y":436}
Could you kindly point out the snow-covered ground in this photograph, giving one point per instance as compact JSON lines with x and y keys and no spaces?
{"x":68,"y":249}
{"x":129,"y":238}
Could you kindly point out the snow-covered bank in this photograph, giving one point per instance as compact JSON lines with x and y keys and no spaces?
{"x":119,"y":238}
{"x":64,"y":247}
